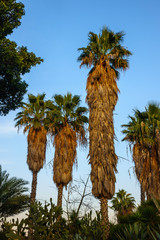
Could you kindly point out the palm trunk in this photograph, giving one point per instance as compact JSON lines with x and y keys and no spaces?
{"x":60,"y":193}
{"x":142,"y":194}
{"x":105,"y":221}
{"x":148,"y":196}
{"x":34,"y":187}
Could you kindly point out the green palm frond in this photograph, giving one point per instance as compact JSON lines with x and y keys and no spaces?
{"x":105,"y":46}
{"x":13,"y":198}
{"x":32,"y":114}
{"x":123,"y":203}
{"x":66,"y":110}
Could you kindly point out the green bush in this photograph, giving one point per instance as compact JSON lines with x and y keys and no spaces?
{"x":3,"y":236}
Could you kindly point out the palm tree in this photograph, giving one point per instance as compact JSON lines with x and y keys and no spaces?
{"x":13,"y":197}
{"x":32,"y":117}
{"x":135,"y":135}
{"x":123,"y":203}
{"x":142,"y":133}
{"x":106,"y":57}
{"x":153,"y":139}
{"x":67,"y":123}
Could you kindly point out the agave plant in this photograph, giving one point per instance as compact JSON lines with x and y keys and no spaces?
{"x":132,"y":232}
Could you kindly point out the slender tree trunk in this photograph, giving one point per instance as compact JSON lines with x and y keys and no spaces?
{"x":105,"y":221}
{"x":142,"y":194}
{"x":60,"y":193}
{"x":148,"y":196}
{"x":33,"y":198}
{"x":34,"y":187}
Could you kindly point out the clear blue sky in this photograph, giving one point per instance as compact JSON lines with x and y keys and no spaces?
{"x":54,"y":30}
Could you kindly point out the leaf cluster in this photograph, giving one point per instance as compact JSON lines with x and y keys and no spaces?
{"x":143,"y":125}
{"x":15,"y":61}
{"x":13,"y":197}
{"x":106,"y":49}
{"x":123,"y":203}
{"x":44,"y":223}
{"x":66,"y":110}
{"x":142,"y":224}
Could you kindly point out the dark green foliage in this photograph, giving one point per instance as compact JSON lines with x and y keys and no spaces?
{"x":123,"y":203}
{"x":67,"y":109}
{"x":86,"y":228}
{"x":133,"y":232}
{"x":147,"y":214}
{"x":142,"y":224}
{"x":12,"y":195}
{"x":106,"y":46}
{"x":92,"y":227}
{"x":45,"y":223}
{"x":10,"y":15}
{"x":33,"y":113}
{"x":14,"y":61}
{"x":3,"y":236}
{"x":41,"y":221}
{"x":155,"y":234}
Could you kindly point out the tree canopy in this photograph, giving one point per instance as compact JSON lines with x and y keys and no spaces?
{"x":14,"y":61}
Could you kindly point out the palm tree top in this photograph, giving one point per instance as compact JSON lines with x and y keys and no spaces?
{"x":32,"y":114}
{"x":142,"y":126}
{"x":65,"y":110}
{"x":134,"y":130}
{"x":122,"y":200}
{"x":105,"y":47}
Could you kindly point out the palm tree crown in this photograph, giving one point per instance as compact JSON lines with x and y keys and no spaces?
{"x":123,"y":203}
{"x":105,"y":49}
{"x":65,"y":110}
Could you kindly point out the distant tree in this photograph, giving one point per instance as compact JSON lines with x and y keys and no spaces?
{"x":123,"y":203}
{"x":67,"y":123}
{"x":105,"y":55}
{"x":13,"y":197}
{"x":14,"y":61}
{"x":32,"y":118}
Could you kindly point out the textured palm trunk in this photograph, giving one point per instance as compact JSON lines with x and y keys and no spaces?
{"x":60,"y":193}
{"x":101,"y":98}
{"x":148,"y":196}
{"x":34,"y":187}
{"x":142,"y":194}
{"x":105,"y":221}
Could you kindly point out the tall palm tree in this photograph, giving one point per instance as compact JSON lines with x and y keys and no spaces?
{"x":142,"y":132}
{"x":32,"y":117}
{"x":123,"y":203}
{"x":13,"y":197}
{"x":67,"y":123}
{"x":106,"y":57}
